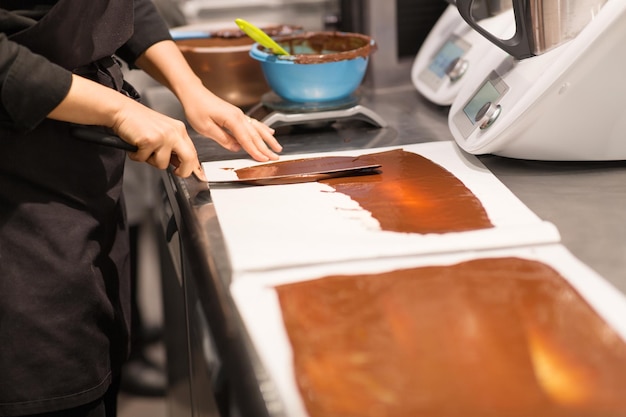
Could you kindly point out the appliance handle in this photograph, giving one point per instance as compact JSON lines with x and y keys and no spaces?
{"x":521,"y":45}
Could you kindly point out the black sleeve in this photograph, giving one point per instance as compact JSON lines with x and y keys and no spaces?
{"x":149,"y":28}
{"x":30,"y":86}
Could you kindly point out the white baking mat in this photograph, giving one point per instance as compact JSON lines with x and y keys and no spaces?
{"x":281,"y":226}
{"x":258,"y":305}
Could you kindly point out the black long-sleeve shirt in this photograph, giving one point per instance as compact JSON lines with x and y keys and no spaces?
{"x":31,"y":85}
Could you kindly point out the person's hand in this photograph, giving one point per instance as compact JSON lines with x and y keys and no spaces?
{"x":207,"y":114}
{"x":161,"y":140}
{"x":227,"y":124}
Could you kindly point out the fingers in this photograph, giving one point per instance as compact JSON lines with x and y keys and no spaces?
{"x":161,"y":141}
{"x":229,"y":126}
{"x":186,"y":165}
{"x":199,"y":173}
{"x":267,"y":134}
{"x":168,"y":148}
{"x":256,"y":138}
{"x":223,"y":138}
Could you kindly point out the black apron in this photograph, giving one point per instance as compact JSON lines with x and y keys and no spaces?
{"x":64,"y":271}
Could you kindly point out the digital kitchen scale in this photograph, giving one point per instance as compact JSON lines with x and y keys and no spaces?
{"x":566,"y":104}
{"x":451,"y":51}
{"x":275,"y":111}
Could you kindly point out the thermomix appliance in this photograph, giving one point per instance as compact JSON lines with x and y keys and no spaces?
{"x":453,"y":49}
{"x":555,"y":90}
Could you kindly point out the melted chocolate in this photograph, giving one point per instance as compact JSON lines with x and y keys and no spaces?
{"x":414,"y":195}
{"x":411,"y":195}
{"x":320,"y":47}
{"x":497,"y":337}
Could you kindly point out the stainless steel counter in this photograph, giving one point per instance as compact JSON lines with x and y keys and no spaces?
{"x":586,"y":201}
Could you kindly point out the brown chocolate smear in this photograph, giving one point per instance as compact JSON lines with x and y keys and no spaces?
{"x":414,"y":195}
{"x":326,"y":46}
{"x":499,"y":337}
{"x":411,"y":195}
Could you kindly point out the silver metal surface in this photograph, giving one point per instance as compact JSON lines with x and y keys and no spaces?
{"x":557,"y":21}
{"x":277,"y":118}
{"x":488,"y":114}
{"x":550,"y":23}
{"x":457,"y":69}
{"x":370,"y":169}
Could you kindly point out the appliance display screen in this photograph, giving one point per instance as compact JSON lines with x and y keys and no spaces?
{"x":488,"y":93}
{"x":448,"y":53}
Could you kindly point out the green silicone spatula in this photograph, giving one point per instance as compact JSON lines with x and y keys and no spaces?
{"x":260,"y":37}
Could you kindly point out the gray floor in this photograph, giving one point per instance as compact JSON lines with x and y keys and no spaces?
{"x":151,"y":306}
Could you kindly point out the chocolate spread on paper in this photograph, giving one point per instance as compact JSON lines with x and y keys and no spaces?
{"x":501,"y":337}
{"x":411,"y":195}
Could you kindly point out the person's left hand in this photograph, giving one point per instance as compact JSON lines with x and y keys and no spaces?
{"x":227,"y":124}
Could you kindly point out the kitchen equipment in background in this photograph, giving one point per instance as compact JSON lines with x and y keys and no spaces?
{"x":320,"y":67}
{"x":540,"y":25}
{"x":567,"y":103}
{"x":219,"y":54}
{"x":275,"y":112}
{"x":399,"y":28}
{"x":453,"y":48}
{"x":317,"y":82}
{"x":310,"y":14}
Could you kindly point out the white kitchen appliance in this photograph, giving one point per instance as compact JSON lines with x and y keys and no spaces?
{"x":453,"y":50}
{"x":563,"y":100}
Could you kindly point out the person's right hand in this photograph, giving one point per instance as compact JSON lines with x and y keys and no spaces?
{"x":160,"y":140}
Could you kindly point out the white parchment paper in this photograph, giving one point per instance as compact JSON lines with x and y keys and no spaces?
{"x":284,"y":226}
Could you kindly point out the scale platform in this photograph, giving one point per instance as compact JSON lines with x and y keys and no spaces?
{"x":276,"y":112}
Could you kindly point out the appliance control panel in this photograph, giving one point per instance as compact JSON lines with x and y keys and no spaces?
{"x":483,"y":107}
{"x":448,"y":62}
{"x":452,"y":52}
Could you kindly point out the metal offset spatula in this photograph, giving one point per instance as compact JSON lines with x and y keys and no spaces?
{"x":312,"y":176}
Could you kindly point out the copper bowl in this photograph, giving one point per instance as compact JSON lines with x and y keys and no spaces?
{"x":222,"y":61}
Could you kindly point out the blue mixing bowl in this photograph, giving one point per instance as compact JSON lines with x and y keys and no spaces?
{"x":321,"y":67}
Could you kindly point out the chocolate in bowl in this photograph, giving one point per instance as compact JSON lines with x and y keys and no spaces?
{"x":322,"y":66}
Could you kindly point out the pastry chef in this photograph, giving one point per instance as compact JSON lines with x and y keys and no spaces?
{"x":63,"y":240}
